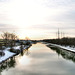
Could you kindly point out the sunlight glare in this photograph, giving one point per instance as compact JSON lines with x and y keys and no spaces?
{"x":24,"y":14}
{"x":25,"y":60}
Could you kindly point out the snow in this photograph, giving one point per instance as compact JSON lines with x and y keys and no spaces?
{"x":26,"y":47}
{"x":64,"y":47}
{"x":7,"y":55}
{"x":16,"y":47}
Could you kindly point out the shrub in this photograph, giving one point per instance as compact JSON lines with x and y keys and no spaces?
{"x":15,"y":50}
{"x":2,"y":53}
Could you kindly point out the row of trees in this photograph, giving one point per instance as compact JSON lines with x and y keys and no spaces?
{"x":63,"y":41}
{"x":8,"y":39}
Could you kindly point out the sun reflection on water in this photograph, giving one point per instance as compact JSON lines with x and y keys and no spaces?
{"x":24,"y":60}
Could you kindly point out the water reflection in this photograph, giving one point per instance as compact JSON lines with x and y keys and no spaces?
{"x":40,"y":60}
{"x":64,"y":53}
{"x":11,"y":62}
{"x":8,"y":64}
{"x":24,"y":59}
{"x":26,"y":52}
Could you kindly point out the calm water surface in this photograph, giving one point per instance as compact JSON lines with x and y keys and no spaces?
{"x":41,"y":60}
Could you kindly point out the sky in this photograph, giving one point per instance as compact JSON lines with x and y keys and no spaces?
{"x":38,"y":19}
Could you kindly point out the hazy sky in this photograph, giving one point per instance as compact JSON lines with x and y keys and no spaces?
{"x":38,"y":19}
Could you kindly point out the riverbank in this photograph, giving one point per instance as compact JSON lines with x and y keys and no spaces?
{"x":68,"y":48}
{"x":9,"y":54}
{"x":42,"y":59}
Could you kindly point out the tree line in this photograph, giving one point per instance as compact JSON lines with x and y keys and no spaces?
{"x":63,"y":41}
{"x":8,"y":39}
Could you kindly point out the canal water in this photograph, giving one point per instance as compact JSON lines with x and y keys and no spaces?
{"x":40,"y":59}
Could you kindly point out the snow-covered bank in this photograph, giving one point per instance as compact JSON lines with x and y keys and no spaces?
{"x":68,"y":48}
{"x":9,"y":54}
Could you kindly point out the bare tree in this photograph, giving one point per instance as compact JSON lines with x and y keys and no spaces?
{"x":13,"y":37}
{"x":5,"y":37}
{"x":9,"y":39}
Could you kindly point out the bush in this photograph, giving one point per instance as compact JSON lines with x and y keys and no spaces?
{"x":15,"y":50}
{"x":2,"y":53}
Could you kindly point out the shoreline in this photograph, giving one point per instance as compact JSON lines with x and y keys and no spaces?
{"x":70,"y":49}
{"x":6,"y":57}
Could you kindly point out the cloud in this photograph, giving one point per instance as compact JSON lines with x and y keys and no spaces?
{"x":58,"y":3}
{"x":4,"y":28}
{"x":46,"y":15}
{"x":4,"y":1}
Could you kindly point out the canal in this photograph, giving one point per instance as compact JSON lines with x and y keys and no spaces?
{"x":40,"y":59}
